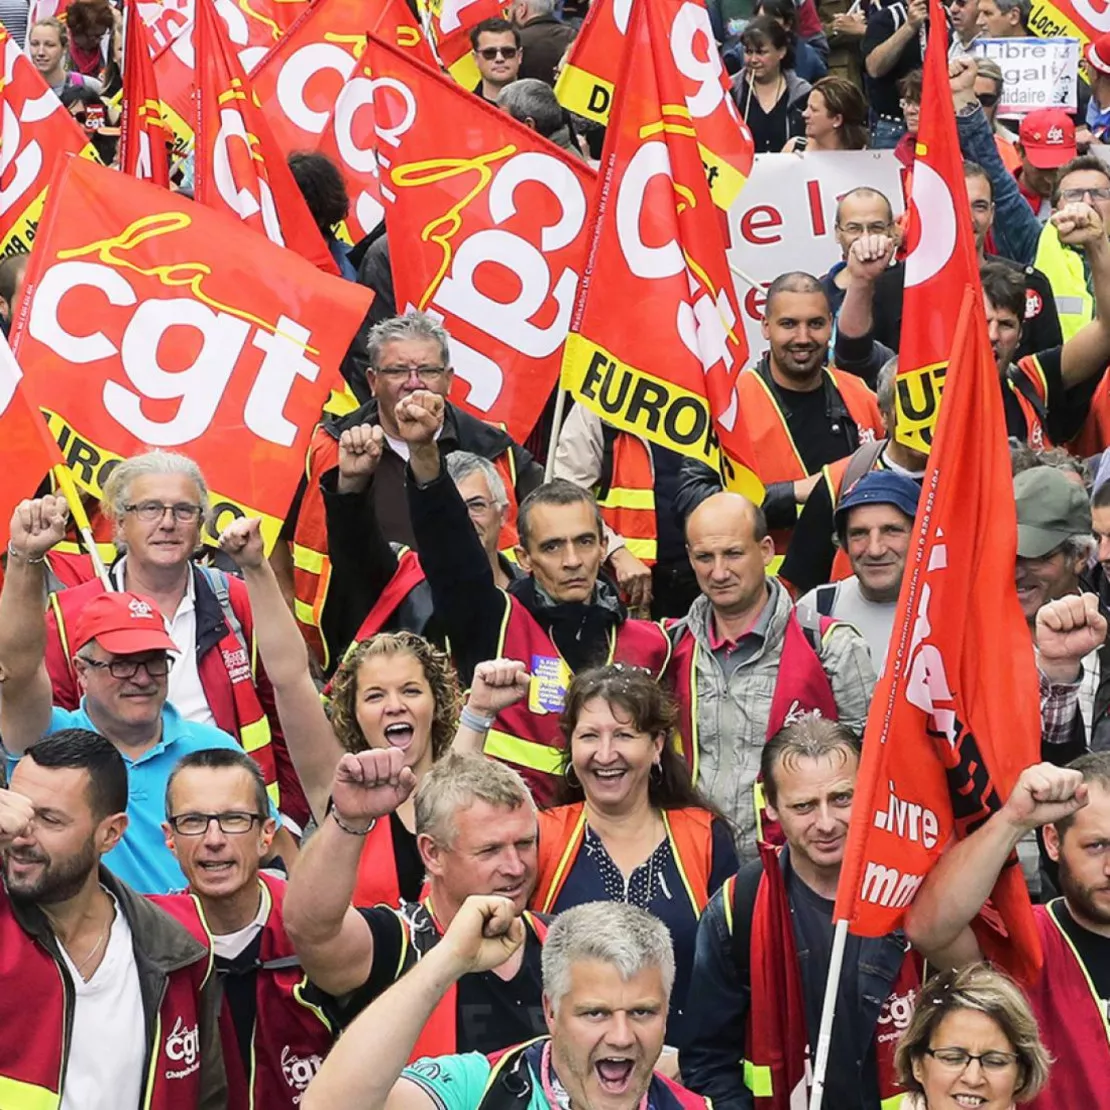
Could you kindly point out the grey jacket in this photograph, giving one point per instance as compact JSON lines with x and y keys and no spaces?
{"x":733,"y":710}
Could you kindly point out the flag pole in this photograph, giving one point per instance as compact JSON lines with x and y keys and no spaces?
{"x":73,"y":499}
{"x":828,"y":1012}
{"x":746,"y":278}
{"x":556,"y":428}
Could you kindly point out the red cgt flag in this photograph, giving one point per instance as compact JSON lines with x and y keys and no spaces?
{"x":666,"y":371}
{"x":238,"y":167}
{"x":148,"y":320}
{"x":588,"y":80}
{"x":941,"y":259}
{"x":143,"y":134}
{"x":487,"y":224}
{"x":36,"y":133}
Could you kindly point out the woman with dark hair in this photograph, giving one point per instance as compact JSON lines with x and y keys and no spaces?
{"x":321,"y":185}
{"x":95,"y":118}
{"x":809,"y":65}
{"x":769,"y":94}
{"x":630,"y":826}
{"x":835,"y":117}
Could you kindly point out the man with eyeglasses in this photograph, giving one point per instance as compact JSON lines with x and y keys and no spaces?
{"x":158,"y":503}
{"x":406,"y":354}
{"x":1071,"y":806}
{"x":278,"y":1026}
{"x":861,"y":211}
{"x":496,"y":45}
{"x":122,"y":655}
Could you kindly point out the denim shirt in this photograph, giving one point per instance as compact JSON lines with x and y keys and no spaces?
{"x":1016,"y":227}
{"x":712,"y":1063}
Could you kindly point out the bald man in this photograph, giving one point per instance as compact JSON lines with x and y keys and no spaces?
{"x":749,"y":663}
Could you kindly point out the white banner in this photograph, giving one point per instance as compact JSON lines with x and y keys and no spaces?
{"x":785,"y":218}
{"x":1036,"y":73}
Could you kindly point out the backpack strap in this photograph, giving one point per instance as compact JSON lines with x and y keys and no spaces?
{"x":861,"y":462}
{"x":1020,"y":383}
{"x":739,"y":894}
{"x":217,"y":579}
{"x":814,"y":626}
{"x":825,"y":598}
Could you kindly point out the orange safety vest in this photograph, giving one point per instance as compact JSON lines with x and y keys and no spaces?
{"x":626,"y":495}
{"x":1031,"y":392}
{"x":563,"y":831}
{"x":311,"y":563}
{"x":526,"y":736}
{"x":376,"y":882}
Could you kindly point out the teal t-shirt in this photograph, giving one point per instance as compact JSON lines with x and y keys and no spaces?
{"x":458,"y":1082}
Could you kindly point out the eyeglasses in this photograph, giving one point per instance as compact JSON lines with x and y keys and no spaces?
{"x":196,"y":824}
{"x":958,"y":1058}
{"x":157,"y":667}
{"x":478,"y":506}
{"x":150,"y":511}
{"x":868,"y":229}
{"x":1074,"y":196}
{"x":988,"y":100}
{"x":491,"y":52}
{"x":403,"y":373}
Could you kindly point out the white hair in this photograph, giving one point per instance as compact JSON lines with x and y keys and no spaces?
{"x":461,"y":464}
{"x":625,"y":937}
{"x":116,"y":494}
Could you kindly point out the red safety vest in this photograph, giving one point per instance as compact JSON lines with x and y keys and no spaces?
{"x":776,"y":1051}
{"x":1094,"y":437}
{"x":626,"y":496}
{"x":1036,"y":435}
{"x":439,"y":1037}
{"x":801,"y":687}
{"x":227,"y":673}
{"x":563,"y":831}
{"x":376,"y":882}
{"x":292,"y":1034}
{"x":37,"y":990}
{"x":311,"y":564}
{"x":1073,"y":1023}
{"x":526,"y":735}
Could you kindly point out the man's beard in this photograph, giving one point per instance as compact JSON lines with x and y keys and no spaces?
{"x":58,"y":881}
{"x":1082,"y":897}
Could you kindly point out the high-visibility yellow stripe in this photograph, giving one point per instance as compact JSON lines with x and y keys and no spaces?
{"x":107,"y":551}
{"x":524,"y":753}
{"x":892,"y":1103}
{"x":273,"y":792}
{"x":727,"y":894}
{"x":152,"y":1075}
{"x":775,"y":566}
{"x":307,"y":558}
{"x":759,"y":800}
{"x":255,"y":736}
{"x":757,"y":1078}
{"x":642,"y":549}
{"x":679,"y":866}
{"x":304,"y":612}
{"x":15,"y":1095}
{"x":622,"y":497}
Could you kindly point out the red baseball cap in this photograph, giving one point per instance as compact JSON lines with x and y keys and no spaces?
{"x":123,"y":624}
{"x":1048,"y":138}
{"x":1098,"y":53}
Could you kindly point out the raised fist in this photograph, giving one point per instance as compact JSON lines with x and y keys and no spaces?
{"x":37,"y":526}
{"x":360,"y":451}
{"x":371,"y":784}
{"x":497,"y":684}
{"x":1045,"y":794}
{"x":483,"y":934}
{"x":419,"y":417}
{"x":16,"y":814}
{"x":1067,"y":630}
{"x":241,"y":540}
{"x":1078,"y":224}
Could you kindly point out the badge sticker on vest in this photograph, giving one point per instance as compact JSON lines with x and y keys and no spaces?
{"x":548,"y":689}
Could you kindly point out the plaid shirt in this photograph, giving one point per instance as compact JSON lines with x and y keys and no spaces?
{"x":1059,"y":705}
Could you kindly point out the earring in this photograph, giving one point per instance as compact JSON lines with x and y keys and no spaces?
{"x":656,"y":772}
{"x":568,"y":770}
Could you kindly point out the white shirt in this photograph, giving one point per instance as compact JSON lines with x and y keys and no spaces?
{"x":400,"y":446}
{"x":873,"y":619}
{"x":185,"y":692}
{"x":229,"y":945}
{"x":104,"y":1070}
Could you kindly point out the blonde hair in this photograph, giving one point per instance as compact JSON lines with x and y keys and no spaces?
{"x":458,"y":781}
{"x":114,"y":497}
{"x":976,"y":987}
{"x":438,"y":671}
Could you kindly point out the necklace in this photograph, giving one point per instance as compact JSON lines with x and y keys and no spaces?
{"x":96,"y":947}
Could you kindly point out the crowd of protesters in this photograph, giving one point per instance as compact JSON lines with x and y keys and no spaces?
{"x":480,"y":787}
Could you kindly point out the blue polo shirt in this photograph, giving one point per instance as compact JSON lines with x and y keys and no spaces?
{"x":141,"y":859}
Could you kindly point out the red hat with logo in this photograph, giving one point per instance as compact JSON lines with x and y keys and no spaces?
{"x":123,"y":624}
{"x":1098,"y":54}
{"x":1048,"y":138}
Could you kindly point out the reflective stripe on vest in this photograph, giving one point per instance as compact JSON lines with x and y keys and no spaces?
{"x":523,"y":753}
{"x":15,"y":1095}
{"x":1067,"y":275}
{"x":757,"y":1078}
{"x":628,"y":505}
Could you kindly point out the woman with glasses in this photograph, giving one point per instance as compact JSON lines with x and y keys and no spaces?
{"x":629,"y":826}
{"x":972,"y":1041}
{"x":769,"y":94}
{"x":393,"y":690}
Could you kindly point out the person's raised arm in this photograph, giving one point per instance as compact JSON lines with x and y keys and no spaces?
{"x":308,"y":733}
{"x":883,"y":58}
{"x":938,"y":923}
{"x":331,"y":937}
{"x":25,"y":695}
{"x":364,"y":1068}
{"x":856,"y":350}
{"x":1088,"y":351}
{"x":497,"y":684}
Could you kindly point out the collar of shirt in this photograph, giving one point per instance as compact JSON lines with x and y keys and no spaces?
{"x":717,"y":642}
{"x":188,"y":602}
{"x":172,"y":731}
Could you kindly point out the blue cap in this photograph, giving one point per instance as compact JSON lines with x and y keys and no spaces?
{"x":879,"y":487}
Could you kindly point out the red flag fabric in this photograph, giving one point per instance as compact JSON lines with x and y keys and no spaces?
{"x":239,"y":167}
{"x":143,"y":135}
{"x":449,"y":23}
{"x":955,"y":717}
{"x":668,"y":370}
{"x":487,"y":222}
{"x":27,"y":451}
{"x":941,"y":259}
{"x":586,"y":85}
{"x":36,"y":132}
{"x":148,"y":320}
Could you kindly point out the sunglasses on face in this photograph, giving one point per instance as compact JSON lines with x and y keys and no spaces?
{"x":491,"y":52}
{"x":988,"y":100}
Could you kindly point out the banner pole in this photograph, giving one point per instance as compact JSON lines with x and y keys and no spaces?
{"x":828,"y":1012}
{"x":556,"y":428}
{"x":73,"y":499}
{"x":746,"y":277}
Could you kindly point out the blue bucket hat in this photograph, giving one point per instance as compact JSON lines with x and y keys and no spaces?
{"x":879,"y":487}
